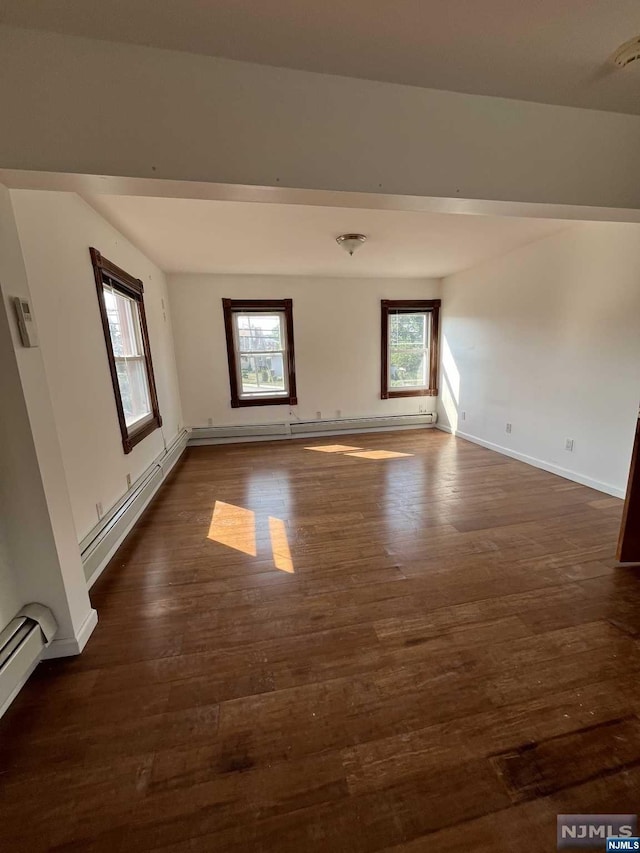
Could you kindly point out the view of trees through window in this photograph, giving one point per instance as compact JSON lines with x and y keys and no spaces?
{"x":409,"y":350}
{"x":261,"y":349}
{"x":128,"y":352}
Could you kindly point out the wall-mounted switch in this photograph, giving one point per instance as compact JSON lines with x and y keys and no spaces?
{"x":26,"y":323}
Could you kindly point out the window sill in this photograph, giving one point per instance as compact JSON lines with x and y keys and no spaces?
{"x":141,"y":433}
{"x":410,"y":392}
{"x":265,"y":401}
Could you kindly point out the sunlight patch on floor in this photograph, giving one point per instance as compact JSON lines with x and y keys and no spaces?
{"x":235,"y":527}
{"x":378,"y":454}
{"x":345,"y":450}
{"x":280,"y":545}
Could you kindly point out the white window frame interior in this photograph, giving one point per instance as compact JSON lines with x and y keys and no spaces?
{"x":284,"y":353}
{"x":426,"y":348}
{"x":139,"y":358}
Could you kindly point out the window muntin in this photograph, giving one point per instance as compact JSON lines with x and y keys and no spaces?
{"x":260,"y":351}
{"x":409,"y":360}
{"x":121,"y":303}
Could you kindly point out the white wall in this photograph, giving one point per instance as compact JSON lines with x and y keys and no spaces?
{"x":41,"y":555}
{"x":546,"y":338}
{"x":56,"y":230}
{"x":78,"y":105}
{"x":9,"y":596}
{"x":337,"y":345}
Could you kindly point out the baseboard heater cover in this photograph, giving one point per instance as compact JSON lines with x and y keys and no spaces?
{"x":210,"y":435}
{"x":98,"y":546}
{"x":390,"y":421}
{"x":21,"y":645}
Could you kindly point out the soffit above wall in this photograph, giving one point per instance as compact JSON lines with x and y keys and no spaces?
{"x":547,"y":51}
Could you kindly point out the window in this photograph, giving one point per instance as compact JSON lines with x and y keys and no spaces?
{"x":260,"y":351}
{"x":410,"y":348}
{"x":120,"y":297}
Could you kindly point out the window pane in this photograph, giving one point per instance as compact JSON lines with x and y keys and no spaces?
{"x":126,"y":340}
{"x":124,"y":323}
{"x":134,"y":389}
{"x":262,"y":375}
{"x":408,"y":367}
{"x":408,"y":330}
{"x":260,"y":332}
{"x":409,"y":350}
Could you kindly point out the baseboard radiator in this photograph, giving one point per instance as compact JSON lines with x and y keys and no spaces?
{"x":21,"y":645}
{"x":307,"y":429}
{"x":101,"y":542}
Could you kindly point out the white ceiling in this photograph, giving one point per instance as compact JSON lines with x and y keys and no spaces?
{"x":201,"y":236}
{"x":553,"y":51}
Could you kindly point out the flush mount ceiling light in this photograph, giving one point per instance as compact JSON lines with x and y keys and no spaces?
{"x":627,"y":53}
{"x":350,"y":242}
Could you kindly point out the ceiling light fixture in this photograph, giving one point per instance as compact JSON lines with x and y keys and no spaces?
{"x":350,"y":242}
{"x":627,"y":53}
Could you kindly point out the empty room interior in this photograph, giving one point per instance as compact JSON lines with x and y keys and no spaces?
{"x":319,"y":386}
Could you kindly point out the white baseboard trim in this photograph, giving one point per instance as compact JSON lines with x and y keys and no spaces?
{"x":574,"y":476}
{"x":103,"y":541}
{"x":68,"y":646}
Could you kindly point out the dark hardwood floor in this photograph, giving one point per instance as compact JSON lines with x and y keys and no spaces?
{"x":445,"y":658}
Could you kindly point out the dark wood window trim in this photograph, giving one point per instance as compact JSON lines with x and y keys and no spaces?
{"x":429,"y":306}
{"x":244,"y":306}
{"x":106,"y":272}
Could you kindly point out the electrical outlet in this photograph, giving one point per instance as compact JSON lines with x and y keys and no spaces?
{"x":463,"y":416}
{"x":318,"y":415}
{"x":128,"y":481}
{"x":509,"y":428}
{"x":209,"y":421}
{"x":338,"y":413}
{"x":568,"y":445}
{"x":99,"y":510}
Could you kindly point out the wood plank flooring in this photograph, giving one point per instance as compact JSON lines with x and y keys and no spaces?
{"x":431,"y":651}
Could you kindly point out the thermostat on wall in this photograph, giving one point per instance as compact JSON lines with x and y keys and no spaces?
{"x":26,"y":324}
